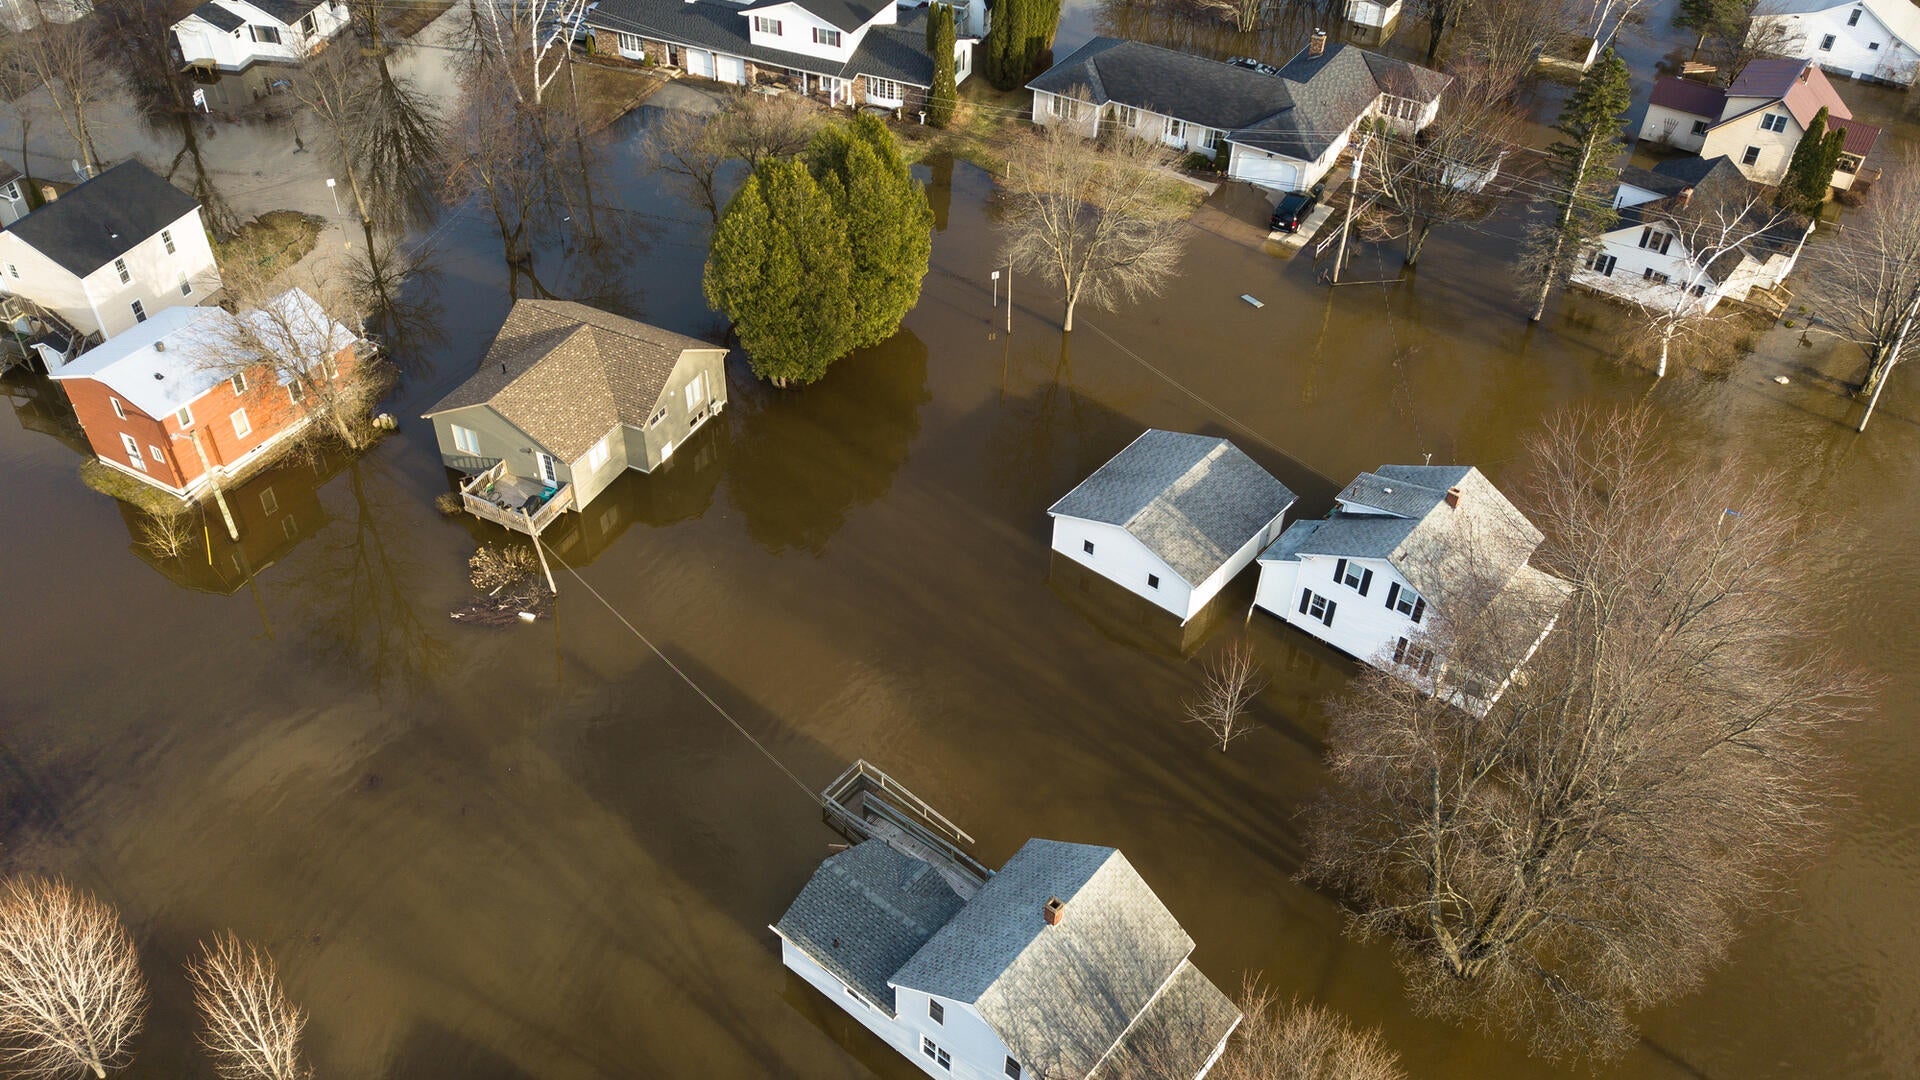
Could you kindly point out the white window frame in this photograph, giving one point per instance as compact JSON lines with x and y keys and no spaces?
{"x":598,"y":454}
{"x":1826,"y":43}
{"x":118,"y":409}
{"x":14,"y":271}
{"x":1853,"y":17}
{"x":139,"y":311}
{"x":1750,"y":156}
{"x":1320,"y":608}
{"x":824,"y":36}
{"x":1065,"y":108}
{"x":239,"y":383}
{"x":258,"y":31}
{"x":11,"y":190}
{"x":1126,"y":115}
{"x":659,"y":414}
{"x":186,"y":285}
{"x":465,"y":439}
{"x":884,"y":88}
{"x":1175,"y":129}
{"x":764,"y":25}
{"x":696,"y":393}
{"x":628,"y":43}
{"x":166,"y":237}
{"x":132,"y":447}
{"x":242,"y":425}
{"x":120,"y":267}
{"x":184,"y":415}
{"x":159,"y":457}
{"x":547,"y":467}
{"x":269,"y":502}
{"x":1773,"y":122}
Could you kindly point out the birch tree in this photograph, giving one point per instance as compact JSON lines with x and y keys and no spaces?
{"x":1232,"y":681}
{"x":1098,"y":219}
{"x":531,"y":39}
{"x":1582,"y":175}
{"x":249,"y":1028}
{"x":1873,"y":291}
{"x":71,"y":994}
{"x":1591,"y":846}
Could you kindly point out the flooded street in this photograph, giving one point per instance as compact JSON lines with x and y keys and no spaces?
{"x":489,"y":854}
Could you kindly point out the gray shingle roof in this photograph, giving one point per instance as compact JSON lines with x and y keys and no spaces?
{"x":845,"y":14}
{"x":1058,"y":996}
{"x":889,"y":52}
{"x":865,"y":912}
{"x":1330,"y":92}
{"x":220,"y":15}
{"x":1192,"y":500}
{"x":1178,"y":1032}
{"x":288,"y":12}
{"x":104,"y":218}
{"x":565,"y":373}
{"x":1718,"y":188}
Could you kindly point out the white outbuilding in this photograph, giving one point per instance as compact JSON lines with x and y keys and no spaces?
{"x":1173,"y":517}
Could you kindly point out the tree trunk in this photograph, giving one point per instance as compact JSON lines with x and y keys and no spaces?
{"x":1546,"y":281}
{"x":1876,"y":370}
{"x":1416,"y":240}
{"x":1066,"y":324}
{"x":1666,"y":342}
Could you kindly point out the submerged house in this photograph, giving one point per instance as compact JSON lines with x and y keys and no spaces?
{"x":1758,"y":120}
{"x":1406,"y":544}
{"x":566,"y":399}
{"x":1063,"y":965}
{"x":234,"y":35}
{"x":1877,"y":40}
{"x":1172,"y":517}
{"x":1281,"y":128}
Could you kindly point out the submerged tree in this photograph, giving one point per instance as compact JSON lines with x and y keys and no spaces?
{"x":1296,"y":1040}
{"x":249,"y":1027}
{"x":889,"y":224}
{"x":1591,"y":844}
{"x":67,"y":60}
{"x":1233,"y":681}
{"x":1102,"y":222}
{"x":1873,"y":294}
{"x":1440,"y":176}
{"x":1582,"y":177}
{"x":71,"y":994}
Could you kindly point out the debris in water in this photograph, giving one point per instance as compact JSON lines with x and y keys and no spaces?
{"x":1251,"y":300}
{"x":1782,"y":379}
{"x":528,"y":616}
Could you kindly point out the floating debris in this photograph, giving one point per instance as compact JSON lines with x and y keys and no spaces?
{"x":1782,"y":379}
{"x":1252,"y":301}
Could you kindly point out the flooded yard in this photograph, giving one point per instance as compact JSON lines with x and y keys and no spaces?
{"x":533,"y":851}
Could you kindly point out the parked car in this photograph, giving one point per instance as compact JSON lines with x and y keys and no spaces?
{"x":1294,"y":208}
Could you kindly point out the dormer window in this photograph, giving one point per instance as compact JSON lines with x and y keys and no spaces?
{"x":266,"y":35}
{"x":763,"y":25}
{"x":1773,"y":122}
{"x":936,"y":1012}
{"x":829,"y":38}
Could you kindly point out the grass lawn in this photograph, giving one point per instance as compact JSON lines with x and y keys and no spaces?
{"x":984,"y":119}
{"x":608,"y":93}
{"x":111,"y":481}
{"x":273,"y":241}
{"x":409,"y":19}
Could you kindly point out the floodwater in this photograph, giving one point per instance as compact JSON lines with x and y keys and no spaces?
{"x":533,"y":851}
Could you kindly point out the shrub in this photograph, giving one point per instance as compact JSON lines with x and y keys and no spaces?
{"x":449,"y":503}
{"x":497,"y":567}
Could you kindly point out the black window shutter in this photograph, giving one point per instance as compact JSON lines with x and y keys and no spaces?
{"x":1393,"y":593}
{"x":1400,"y":651}
{"x":1340,"y":571}
{"x":1419,"y":609}
{"x":1366,"y":581}
{"x":1328,"y":617}
{"x":1306,"y":597}
{"x":1666,"y":241}
{"x":1646,"y":236}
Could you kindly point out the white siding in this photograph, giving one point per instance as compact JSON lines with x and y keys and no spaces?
{"x":1852,"y":52}
{"x":1124,"y":560}
{"x":1673,"y":127}
{"x":1372,"y":13}
{"x":202,"y":42}
{"x":1364,"y":627}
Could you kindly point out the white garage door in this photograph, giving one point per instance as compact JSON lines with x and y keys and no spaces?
{"x":731,"y":69}
{"x":1263,"y":169}
{"x":700,"y":62}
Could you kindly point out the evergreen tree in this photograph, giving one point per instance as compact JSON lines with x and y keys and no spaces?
{"x":888,"y":221}
{"x":781,"y":269}
{"x":1583,"y":172}
{"x":1022,"y":30}
{"x":1705,"y":17}
{"x":1810,"y":172}
{"x":940,"y":42}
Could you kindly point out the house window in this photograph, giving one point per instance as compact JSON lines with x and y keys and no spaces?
{"x":1604,"y":263}
{"x":242,"y":427}
{"x":936,"y":1012}
{"x":465,"y":440}
{"x":628,"y":43}
{"x":290,"y":526}
{"x":658,"y":415}
{"x":120,"y":267}
{"x":266,"y":35}
{"x":1773,"y":122}
{"x":1086,"y":546}
{"x":10,"y":190}
{"x":157,"y":456}
{"x":1700,"y":127}
{"x":935,"y":1054}
{"x":1399,"y":108}
{"x":185,"y":416}
{"x":1699,"y":290}
{"x":14,"y":271}
{"x":1126,"y":115}
{"x":1655,"y":240}
{"x":762,"y":25}
{"x":1214,"y":139}
{"x":1153,"y":581}
{"x":308,"y":25}
{"x":697,"y":392}
{"x":1752,"y":155}
{"x":1013,"y":1069}
{"x":1853,"y":17}
{"x":1065,"y":108}
{"x":885,"y":89}
{"x":166,"y":237}
{"x":1873,"y":46}
{"x":1649,"y":274}
{"x":1353,"y":575}
{"x":1315,"y":606}
{"x":269,"y":501}
{"x":1826,"y":43}
{"x":1848,"y":164}
{"x":1417,"y":657}
{"x":117,"y":410}
{"x":139,"y":312}
{"x":1406,"y":601}
{"x":598,"y":456}
{"x":186,"y":287}
{"x":295,"y":392}
{"x":1176,"y":130}
{"x":239,"y":383}
{"x":829,"y":38}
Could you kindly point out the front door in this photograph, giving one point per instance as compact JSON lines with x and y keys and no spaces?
{"x":548,"y":471}
{"x":133,"y":451}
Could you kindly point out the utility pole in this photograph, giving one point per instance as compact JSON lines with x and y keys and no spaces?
{"x":213,"y":480}
{"x":541,"y":550}
{"x":1893,"y":356}
{"x":1353,"y":196}
{"x":1009,"y":295}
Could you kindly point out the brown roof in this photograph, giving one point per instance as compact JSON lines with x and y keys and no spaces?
{"x":566,"y":373}
{"x":1688,"y":96}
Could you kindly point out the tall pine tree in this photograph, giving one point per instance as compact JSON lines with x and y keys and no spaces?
{"x":1810,"y":172}
{"x":781,"y":268}
{"x":940,"y":42}
{"x":889,"y":224}
{"x":1583,"y":173}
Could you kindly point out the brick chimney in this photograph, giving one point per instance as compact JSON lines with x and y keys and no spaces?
{"x":1055,"y":912}
{"x":1318,"y":43}
{"x":1453,"y":497}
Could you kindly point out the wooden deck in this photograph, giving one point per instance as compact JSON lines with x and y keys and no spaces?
{"x":864,"y":803}
{"x":504,"y":499}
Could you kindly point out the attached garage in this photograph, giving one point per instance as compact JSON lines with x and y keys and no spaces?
{"x":730,"y":69}
{"x":1264,"y":169}
{"x":700,"y":62}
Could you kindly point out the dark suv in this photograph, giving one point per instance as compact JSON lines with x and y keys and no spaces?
{"x":1294,"y":208}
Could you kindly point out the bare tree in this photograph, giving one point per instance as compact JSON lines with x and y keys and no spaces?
{"x":1506,"y":36}
{"x":527,"y":39}
{"x":1100,"y":219}
{"x":17,"y":80}
{"x":65,"y":58}
{"x":1738,"y":34}
{"x":1295,"y":1040}
{"x":169,"y":535}
{"x":1441,"y":176}
{"x":756,"y":127}
{"x":1233,"y":680}
{"x":695,"y":150}
{"x":1873,"y":291}
{"x":71,"y":994}
{"x":501,"y":156}
{"x":689,"y":149}
{"x":250,"y":1028}
{"x":1591,"y":845}
{"x":1242,"y":15}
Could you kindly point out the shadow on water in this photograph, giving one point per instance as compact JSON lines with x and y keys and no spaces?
{"x":430,"y":1049}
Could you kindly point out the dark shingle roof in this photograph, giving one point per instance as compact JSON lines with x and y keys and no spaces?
{"x":865,"y":912}
{"x":1058,"y":996}
{"x":220,"y":16}
{"x":1713,"y":187}
{"x":889,"y":52}
{"x":1178,"y":1033}
{"x":845,"y":14}
{"x":104,"y":218}
{"x":287,"y":11}
{"x":1688,"y":96}
{"x":565,"y":373}
{"x":1190,"y":499}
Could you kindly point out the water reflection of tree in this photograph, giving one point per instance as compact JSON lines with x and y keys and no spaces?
{"x":803,"y":459}
{"x":1178,"y":24}
{"x":940,"y":189}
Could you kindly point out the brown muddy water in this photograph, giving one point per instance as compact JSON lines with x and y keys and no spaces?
{"x":534,"y":852}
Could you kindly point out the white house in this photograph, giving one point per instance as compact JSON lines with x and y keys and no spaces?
{"x":111,"y":252}
{"x":13,"y":195}
{"x":847,"y":52}
{"x":1173,"y":517}
{"x":21,"y":16}
{"x":233,"y":35}
{"x":1282,"y":128}
{"x":1062,"y":964}
{"x":1758,"y":120}
{"x":1690,"y":233}
{"x":1405,"y":545}
{"x":1878,"y":40}
{"x":1373,"y":14}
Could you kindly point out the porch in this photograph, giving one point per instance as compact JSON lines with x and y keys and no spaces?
{"x":863,"y":803}
{"x":524,"y":506}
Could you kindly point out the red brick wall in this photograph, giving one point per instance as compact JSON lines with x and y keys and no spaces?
{"x":93,"y":404}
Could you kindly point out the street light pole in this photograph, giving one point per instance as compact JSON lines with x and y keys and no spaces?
{"x":333,"y":190}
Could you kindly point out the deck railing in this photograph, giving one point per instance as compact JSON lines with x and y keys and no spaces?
{"x":865,"y":803}
{"x":518,"y":520}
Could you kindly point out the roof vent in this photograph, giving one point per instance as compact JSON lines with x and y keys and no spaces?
{"x":158,"y":375}
{"x":159,"y":346}
{"x":1453,"y":496}
{"x":1055,"y":912}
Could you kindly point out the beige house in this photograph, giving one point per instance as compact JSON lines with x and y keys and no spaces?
{"x":1756,"y":122}
{"x":566,"y":399}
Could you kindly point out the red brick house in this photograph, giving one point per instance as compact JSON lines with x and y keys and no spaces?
{"x":156,"y":406}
